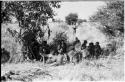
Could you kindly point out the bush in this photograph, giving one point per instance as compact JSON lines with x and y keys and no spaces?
{"x":111,"y":16}
{"x":56,"y":40}
{"x":113,"y":46}
{"x":60,"y":37}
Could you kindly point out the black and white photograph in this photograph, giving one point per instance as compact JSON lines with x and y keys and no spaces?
{"x":68,"y":40}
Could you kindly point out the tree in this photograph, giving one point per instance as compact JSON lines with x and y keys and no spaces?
{"x":111,"y":17}
{"x":71,"y":19}
{"x":30,"y":15}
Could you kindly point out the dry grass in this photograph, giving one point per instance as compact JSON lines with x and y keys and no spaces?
{"x":8,"y":42}
{"x":95,"y":70}
{"x":110,"y":68}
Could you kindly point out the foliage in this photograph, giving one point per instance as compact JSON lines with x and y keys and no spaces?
{"x":31,"y":10}
{"x":59,"y":37}
{"x":71,"y":19}
{"x":111,"y":17}
{"x":30,"y":16}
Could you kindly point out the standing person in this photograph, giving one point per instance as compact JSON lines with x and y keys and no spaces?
{"x":97,"y":50}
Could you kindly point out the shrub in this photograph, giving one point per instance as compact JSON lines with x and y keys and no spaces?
{"x":56,"y":40}
{"x":111,"y":16}
{"x":113,"y":46}
{"x":59,"y":37}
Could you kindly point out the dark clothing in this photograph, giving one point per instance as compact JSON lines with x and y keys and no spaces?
{"x":44,"y":48}
{"x":97,"y":50}
{"x":91,"y":50}
{"x":83,"y":46}
{"x":35,"y":49}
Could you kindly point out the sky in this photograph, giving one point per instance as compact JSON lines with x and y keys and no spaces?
{"x":84,"y":9}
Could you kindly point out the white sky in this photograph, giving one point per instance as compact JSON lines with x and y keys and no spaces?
{"x":84,"y":9}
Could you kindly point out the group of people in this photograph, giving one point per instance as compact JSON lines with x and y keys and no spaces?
{"x":94,"y":51}
{"x":41,"y":51}
{"x":59,"y":48}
